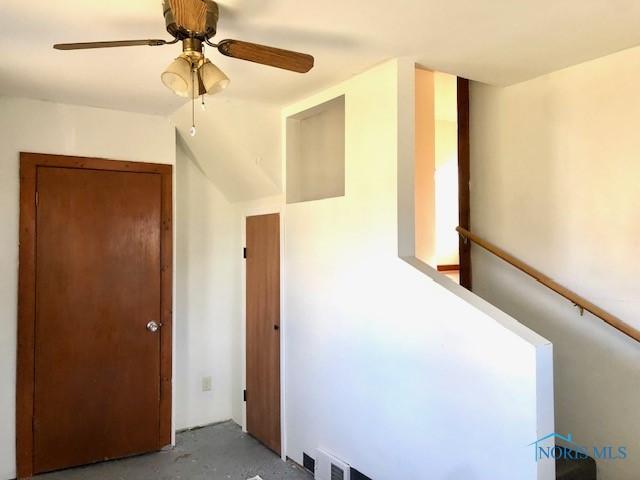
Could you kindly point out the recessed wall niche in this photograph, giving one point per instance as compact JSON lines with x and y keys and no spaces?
{"x":315,"y":152}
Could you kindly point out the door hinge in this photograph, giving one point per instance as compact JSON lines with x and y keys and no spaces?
{"x":244,"y":252}
{"x":244,"y":395}
{"x":37,"y":198}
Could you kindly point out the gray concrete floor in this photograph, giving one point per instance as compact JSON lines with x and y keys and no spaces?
{"x":219,"y":452}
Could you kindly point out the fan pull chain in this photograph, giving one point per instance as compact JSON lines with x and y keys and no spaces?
{"x":192,"y":132}
{"x":202,"y":105}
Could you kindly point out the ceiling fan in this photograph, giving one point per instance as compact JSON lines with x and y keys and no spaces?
{"x":194,"y":23}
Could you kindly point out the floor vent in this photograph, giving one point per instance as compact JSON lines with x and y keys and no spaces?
{"x":329,"y":467}
{"x":356,"y":475}
{"x":308,"y":463}
{"x":336,"y":472}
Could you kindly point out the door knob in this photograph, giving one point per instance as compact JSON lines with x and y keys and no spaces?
{"x":153,"y":327}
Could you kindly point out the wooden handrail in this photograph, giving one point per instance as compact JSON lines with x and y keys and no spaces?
{"x":577,"y":300}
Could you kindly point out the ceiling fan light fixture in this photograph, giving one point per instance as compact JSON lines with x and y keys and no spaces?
{"x":213,"y":79}
{"x":177,"y":77}
{"x":191,"y":92}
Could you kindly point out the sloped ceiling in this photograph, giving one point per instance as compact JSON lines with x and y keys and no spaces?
{"x":237,"y":146}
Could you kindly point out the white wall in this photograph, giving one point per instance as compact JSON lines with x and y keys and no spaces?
{"x":555,"y":176}
{"x":42,"y":127}
{"x":207,"y":331}
{"x":384,"y":367}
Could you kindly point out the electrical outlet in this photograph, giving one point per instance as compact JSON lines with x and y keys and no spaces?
{"x":206,"y":384}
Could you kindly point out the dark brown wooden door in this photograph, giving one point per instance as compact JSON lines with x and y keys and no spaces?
{"x":263,"y":329}
{"x":98,"y":284}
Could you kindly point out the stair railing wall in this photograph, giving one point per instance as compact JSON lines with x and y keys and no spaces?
{"x":582,"y":303}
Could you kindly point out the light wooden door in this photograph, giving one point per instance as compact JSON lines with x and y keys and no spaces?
{"x":98,"y":316}
{"x":263,"y":329}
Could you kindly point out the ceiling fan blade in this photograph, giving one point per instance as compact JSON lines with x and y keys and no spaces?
{"x":274,"y":57}
{"x":119,"y":43}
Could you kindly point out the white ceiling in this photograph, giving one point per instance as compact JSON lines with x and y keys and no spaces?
{"x":494,"y":41}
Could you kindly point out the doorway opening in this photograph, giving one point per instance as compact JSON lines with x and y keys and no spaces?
{"x":441,"y":173}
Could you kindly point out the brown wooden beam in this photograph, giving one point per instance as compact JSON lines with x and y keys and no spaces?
{"x":464,"y":178}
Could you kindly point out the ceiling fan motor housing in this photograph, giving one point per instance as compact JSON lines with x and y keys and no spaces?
{"x":191,"y":18}
{"x":192,"y":50}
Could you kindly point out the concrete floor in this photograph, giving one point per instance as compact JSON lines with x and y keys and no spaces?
{"x":219,"y":452}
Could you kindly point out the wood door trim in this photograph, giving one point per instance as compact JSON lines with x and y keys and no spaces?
{"x":464,"y":178}
{"x":25,"y":380}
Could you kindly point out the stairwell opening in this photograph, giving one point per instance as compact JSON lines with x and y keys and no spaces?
{"x":436,"y":172}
